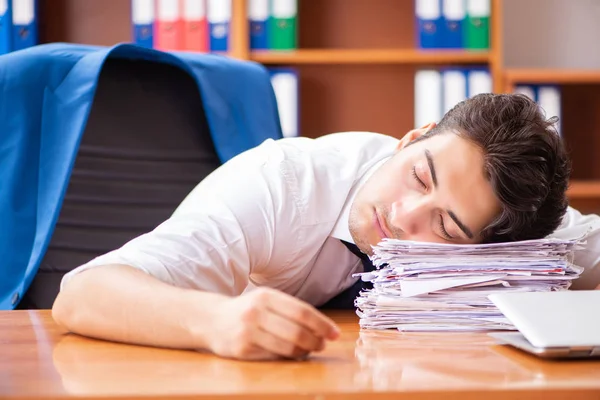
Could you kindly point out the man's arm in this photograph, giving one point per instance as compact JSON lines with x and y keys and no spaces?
{"x":160,"y":288}
{"x":123,"y":304}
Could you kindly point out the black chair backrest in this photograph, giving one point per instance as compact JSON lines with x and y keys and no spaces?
{"x":145,"y":146}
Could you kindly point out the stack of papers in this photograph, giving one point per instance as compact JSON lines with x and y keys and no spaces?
{"x":443,"y":287}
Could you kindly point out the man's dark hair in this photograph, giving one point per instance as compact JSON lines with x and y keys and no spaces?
{"x":524,"y":160}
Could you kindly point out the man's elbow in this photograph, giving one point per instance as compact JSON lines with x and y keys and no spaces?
{"x":60,"y":311}
{"x":64,"y":309}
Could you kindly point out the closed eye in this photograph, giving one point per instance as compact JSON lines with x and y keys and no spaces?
{"x":419,"y":181}
{"x":443,"y":229}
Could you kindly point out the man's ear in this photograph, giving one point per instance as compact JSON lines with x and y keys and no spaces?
{"x":414,"y":134}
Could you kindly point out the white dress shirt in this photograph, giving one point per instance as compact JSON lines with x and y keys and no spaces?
{"x":273,"y":216}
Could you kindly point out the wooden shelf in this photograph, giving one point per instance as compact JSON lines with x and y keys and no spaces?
{"x":584,"y":190}
{"x":539,"y":75}
{"x":370,"y":56}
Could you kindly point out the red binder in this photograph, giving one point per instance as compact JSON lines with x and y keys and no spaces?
{"x":168,"y":33}
{"x":195,"y":25}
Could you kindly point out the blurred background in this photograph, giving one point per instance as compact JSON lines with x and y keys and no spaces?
{"x":376,"y":65}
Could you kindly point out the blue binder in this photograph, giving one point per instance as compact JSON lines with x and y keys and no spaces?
{"x":5,"y":26}
{"x":287,"y":94}
{"x":429,"y":23}
{"x":258,"y":15}
{"x":528,"y":90}
{"x":142,"y":20}
{"x":549,"y":100}
{"x":451,"y":28}
{"x":219,"y":17}
{"x":455,"y":87}
{"x":479,"y":80}
{"x":24,"y":21}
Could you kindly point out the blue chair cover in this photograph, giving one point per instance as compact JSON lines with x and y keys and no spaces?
{"x":46,"y":93}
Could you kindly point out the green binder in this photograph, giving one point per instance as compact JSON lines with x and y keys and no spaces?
{"x":477,"y":24}
{"x":283,"y":25}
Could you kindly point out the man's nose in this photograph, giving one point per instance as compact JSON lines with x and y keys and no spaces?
{"x":409,"y":216}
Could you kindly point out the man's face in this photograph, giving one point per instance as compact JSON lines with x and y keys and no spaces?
{"x":431,"y":191}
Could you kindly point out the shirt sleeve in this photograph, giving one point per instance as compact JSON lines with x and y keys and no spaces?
{"x":222,"y":232}
{"x":573,"y":225}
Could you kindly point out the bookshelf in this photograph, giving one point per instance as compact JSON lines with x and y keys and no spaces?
{"x":356,"y":60}
{"x":355,"y":57}
{"x":513,"y":76}
{"x":584,"y":189}
{"x":369,"y":56}
{"x":580,"y":105}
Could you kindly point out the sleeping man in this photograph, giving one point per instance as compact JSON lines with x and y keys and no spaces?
{"x":244,"y":264}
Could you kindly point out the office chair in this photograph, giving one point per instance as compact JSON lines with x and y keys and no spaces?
{"x":155,"y":126}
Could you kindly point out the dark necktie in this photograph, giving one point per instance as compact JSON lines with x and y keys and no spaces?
{"x":345,"y":300}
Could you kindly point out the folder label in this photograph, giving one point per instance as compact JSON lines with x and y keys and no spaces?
{"x":23,"y":12}
{"x":194,"y":10}
{"x":219,"y":11}
{"x":168,"y":10}
{"x":454,"y":10}
{"x":284,"y":8}
{"x":258,"y":10}
{"x":428,"y":9}
{"x":142,"y":12}
{"x":219,"y":31}
{"x":478,"y":8}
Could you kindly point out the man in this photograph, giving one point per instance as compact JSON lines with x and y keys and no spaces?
{"x":239,"y":267}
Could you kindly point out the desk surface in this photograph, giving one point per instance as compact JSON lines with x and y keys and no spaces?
{"x":37,"y":360}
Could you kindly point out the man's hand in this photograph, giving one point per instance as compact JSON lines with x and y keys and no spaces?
{"x":267,"y":324}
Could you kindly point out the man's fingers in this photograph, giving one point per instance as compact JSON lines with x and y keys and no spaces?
{"x":276,"y":345}
{"x":302,"y":313}
{"x":256,"y":352}
{"x":290,"y":331}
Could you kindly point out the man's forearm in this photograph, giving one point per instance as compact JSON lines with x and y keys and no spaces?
{"x":123,"y":304}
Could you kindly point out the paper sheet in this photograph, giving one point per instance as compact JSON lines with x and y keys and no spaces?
{"x":444,"y":287}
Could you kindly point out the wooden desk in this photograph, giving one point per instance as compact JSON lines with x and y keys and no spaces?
{"x":38,"y":361}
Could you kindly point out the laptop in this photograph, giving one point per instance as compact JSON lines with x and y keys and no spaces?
{"x":563,"y":324}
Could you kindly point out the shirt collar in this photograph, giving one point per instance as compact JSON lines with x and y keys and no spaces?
{"x":341,"y":230}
